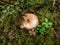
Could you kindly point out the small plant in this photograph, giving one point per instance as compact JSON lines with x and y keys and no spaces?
{"x":42,"y":28}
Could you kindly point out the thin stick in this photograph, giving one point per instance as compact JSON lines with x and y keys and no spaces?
{"x":7,"y":1}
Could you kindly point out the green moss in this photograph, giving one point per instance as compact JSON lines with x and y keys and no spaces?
{"x":11,"y":18}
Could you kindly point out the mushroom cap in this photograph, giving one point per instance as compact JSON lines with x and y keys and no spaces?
{"x":30,"y":21}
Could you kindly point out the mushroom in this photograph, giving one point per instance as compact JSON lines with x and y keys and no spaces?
{"x":30,"y":22}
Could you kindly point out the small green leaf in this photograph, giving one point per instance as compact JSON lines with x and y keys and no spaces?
{"x":47,"y":26}
{"x":42,"y":33}
{"x":37,"y":28}
{"x":43,"y":23}
{"x":50,"y":23}
{"x":46,"y":20}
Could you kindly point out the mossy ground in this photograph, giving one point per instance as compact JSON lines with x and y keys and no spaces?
{"x":11,"y":17}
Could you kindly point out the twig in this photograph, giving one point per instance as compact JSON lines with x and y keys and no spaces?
{"x":7,"y":1}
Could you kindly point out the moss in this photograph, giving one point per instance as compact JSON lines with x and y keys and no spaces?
{"x":11,"y":17}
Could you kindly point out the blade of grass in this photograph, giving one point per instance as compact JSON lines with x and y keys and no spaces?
{"x":54,"y":2}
